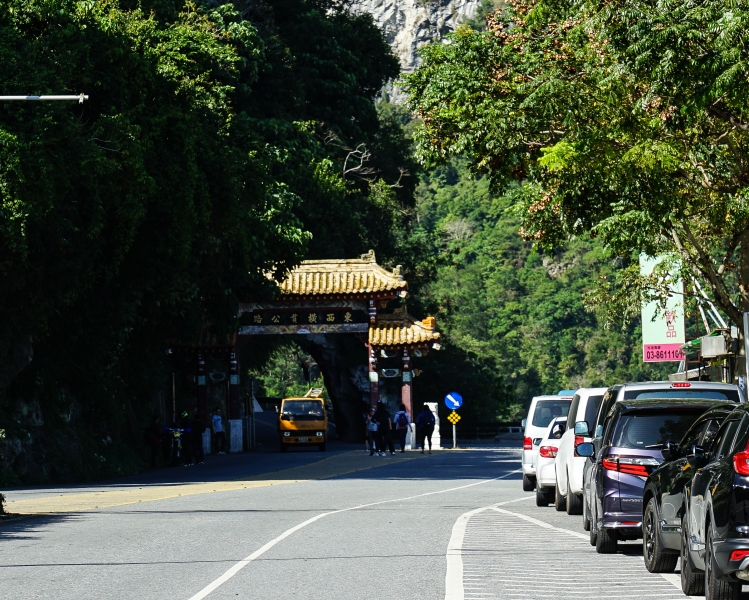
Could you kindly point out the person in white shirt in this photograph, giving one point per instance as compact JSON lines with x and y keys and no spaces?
{"x":402,"y":424}
{"x":218,"y":432}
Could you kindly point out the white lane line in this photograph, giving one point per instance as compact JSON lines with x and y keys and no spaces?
{"x":454,"y":589}
{"x":243,"y":563}
{"x":675,"y":580}
{"x":583,"y":536}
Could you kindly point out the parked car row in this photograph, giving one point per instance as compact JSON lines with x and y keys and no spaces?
{"x":665,"y":462}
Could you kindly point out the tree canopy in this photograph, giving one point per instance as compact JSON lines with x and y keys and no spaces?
{"x":622,"y":120}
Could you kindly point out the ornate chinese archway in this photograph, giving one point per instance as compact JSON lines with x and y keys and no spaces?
{"x":321,"y":299}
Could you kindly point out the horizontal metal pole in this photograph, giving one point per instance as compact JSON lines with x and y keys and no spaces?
{"x":79,"y":97}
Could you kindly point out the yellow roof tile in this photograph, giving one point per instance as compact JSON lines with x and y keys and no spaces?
{"x":401,"y":329}
{"x":353,"y":276}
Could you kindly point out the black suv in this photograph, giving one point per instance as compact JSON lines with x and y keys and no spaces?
{"x":715,"y":528}
{"x":664,"y":499}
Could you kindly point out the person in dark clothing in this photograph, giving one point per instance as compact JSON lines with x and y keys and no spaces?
{"x":196,"y":435}
{"x":425,"y":427}
{"x":383,"y":430}
{"x":153,"y":437}
{"x":372,"y":424}
{"x":402,"y":423}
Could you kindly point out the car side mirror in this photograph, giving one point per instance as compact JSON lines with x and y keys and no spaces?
{"x":696,"y":457}
{"x":557,"y":431}
{"x":285,"y":417}
{"x":670,"y":450}
{"x":585,"y":449}
{"x":582,"y":429}
{"x":523,"y":423}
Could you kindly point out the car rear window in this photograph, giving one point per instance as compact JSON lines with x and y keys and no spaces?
{"x":591,"y":409}
{"x":546,"y":410}
{"x":650,"y":429}
{"x":730,"y":395}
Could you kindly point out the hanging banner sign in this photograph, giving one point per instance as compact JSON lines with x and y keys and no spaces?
{"x":662,"y":335}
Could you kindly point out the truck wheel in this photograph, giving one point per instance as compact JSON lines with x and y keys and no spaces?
{"x":529,"y":483}
{"x":692,"y":581}
{"x":656,"y":560}
{"x":284,"y":447}
{"x":322,"y":447}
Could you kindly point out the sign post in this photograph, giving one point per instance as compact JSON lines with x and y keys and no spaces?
{"x":454,"y":401}
{"x":663,"y":332}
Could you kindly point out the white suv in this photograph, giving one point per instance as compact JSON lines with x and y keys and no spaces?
{"x":543,"y":410}
{"x":569,"y":466}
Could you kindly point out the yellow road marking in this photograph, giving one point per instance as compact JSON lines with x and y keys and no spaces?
{"x":341,"y":464}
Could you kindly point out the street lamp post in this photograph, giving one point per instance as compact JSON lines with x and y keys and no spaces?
{"x":79,"y":97}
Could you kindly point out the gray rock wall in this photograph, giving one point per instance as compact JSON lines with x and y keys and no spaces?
{"x":409,"y":24}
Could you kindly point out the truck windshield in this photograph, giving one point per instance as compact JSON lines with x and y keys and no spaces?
{"x":303,"y":409}
{"x":546,"y":410}
{"x":652,"y":428}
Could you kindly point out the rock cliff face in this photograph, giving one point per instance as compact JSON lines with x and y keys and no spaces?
{"x":409,"y":24}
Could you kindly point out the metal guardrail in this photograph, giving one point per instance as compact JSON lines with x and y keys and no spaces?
{"x":485,"y":430}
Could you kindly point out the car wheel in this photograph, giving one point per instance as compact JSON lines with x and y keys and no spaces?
{"x":586,"y":512}
{"x":593,"y":527}
{"x":541,"y":498}
{"x":574,"y":502}
{"x":715,"y":589}
{"x":606,"y":541}
{"x":284,"y":447}
{"x":559,"y":501}
{"x":322,"y":447}
{"x":529,"y":483}
{"x":656,"y":560}
{"x":692,"y":582}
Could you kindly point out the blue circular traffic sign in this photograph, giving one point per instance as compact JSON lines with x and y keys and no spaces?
{"x":453,"y":400}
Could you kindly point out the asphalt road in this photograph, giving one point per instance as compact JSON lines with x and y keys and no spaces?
{"x":306,"y":525}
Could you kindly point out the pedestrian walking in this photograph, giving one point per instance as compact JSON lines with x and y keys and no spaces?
{"x":372,"y":431}
{"x":384,"y":426}
{"x":153,"y":438}
{"x":425,"y":427}
{"x":219,"y":437}
{"x":402,"y":426}
{"x":196,"y":435}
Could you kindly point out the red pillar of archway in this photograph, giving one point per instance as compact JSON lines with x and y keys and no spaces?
{"x":406,"y":382}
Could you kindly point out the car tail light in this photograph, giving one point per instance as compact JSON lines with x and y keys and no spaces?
{"x":579,"y":440}
{"x":681,"y":384}
{"x":741,"y":461}
{"x":527,"y":444}
{"x":630,"y":466}
{"x":630,"y":522}
{"x":548,"y":451}
{"x":739,"y":554}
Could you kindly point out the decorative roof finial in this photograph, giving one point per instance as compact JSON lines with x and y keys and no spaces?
{"x":369,"y":257}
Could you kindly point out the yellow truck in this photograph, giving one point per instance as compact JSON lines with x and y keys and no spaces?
{"x":303,"y":421}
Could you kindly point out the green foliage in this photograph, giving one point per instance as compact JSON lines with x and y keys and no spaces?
{"x":628,"y":120}
{"x":283,"y":376}
{"x":210,"y":153}
{"x":514,"y":320}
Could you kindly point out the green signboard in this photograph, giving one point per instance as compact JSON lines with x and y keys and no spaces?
{"x":662,"y":329}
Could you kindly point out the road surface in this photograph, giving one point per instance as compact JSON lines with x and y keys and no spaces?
{"x":342,"y":525}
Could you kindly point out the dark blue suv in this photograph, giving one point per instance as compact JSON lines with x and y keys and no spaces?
{"x":633,"y":435}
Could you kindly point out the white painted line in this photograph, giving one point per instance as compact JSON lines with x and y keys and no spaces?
{"x":243,"y":563}
{"x":583,"y":536}
{"x":675,"y":580}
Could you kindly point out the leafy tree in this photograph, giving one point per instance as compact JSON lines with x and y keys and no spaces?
{"x":624,"y":120}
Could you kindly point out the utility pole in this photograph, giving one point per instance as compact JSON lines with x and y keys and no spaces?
{"x":79,"y":97}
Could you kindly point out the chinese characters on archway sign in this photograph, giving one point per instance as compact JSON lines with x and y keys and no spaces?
{"x":662,"y":329}
{"x":307,"y":317}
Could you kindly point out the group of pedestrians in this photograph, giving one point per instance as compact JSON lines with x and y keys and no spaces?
{"x":380,"y":427}
{"x":182,"y":445}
